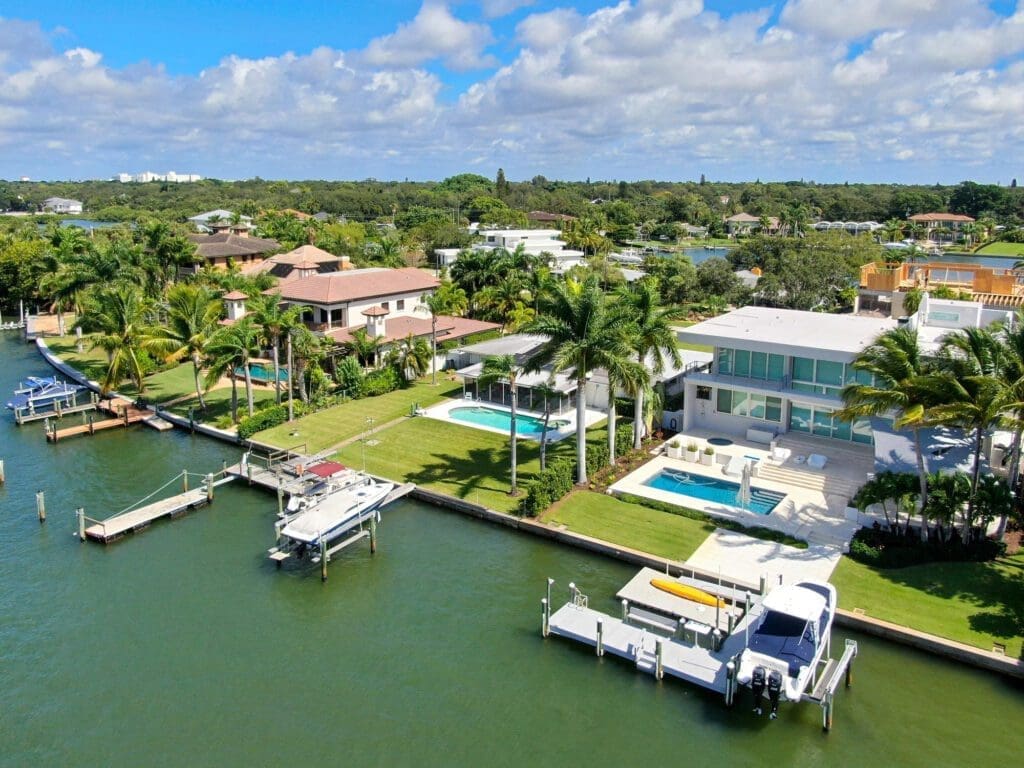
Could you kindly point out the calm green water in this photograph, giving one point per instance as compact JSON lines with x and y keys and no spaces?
{"x":183,"y":646}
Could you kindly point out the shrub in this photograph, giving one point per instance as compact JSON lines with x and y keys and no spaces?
{"x":881,"y":548}
{"x":548,"y":486}
{"x":265,"y":419}
{"x":349,"y":375}
{"x":380,"y":382}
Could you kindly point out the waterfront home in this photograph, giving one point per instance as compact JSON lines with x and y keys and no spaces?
{"x":851,"y":227}
{"x":304,"y":261}
{"x":534,"y":242}
{"x":782,"y":370}
{"x":935,"y":223}
{"x":219,"y":219}
{"x":543,"y":217}
{"x":224,"y":249}
{"x":61,"y":205}
{"x":744,"y":224}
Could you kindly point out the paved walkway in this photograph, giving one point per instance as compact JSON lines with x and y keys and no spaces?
{"x":748,"y":559}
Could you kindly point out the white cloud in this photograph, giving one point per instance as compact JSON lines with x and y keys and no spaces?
{"x":433,"y":34}
{"x":648,"y":88}
{"x":494,"y":9}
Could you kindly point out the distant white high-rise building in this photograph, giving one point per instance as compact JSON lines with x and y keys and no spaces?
{"x":148,"y":176}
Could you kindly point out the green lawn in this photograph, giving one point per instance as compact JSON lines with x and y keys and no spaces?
{"x":692,"y":347}
{"x":1002,"y":249}
{"x":91,"y":362}
{"x":974,"y":603}
{"x":218,"y":403}
{"x":332,"y":425}
{"x":461,"y":461}
{"x":630,"y":525}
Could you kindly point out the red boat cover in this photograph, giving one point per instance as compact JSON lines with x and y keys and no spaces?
{"x":327,"y":469}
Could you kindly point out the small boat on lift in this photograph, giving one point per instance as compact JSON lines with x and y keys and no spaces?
{"x":39,"y":391}
{"x":788,"y":642}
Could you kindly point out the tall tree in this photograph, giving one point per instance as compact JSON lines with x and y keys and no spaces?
{"x":118,"y":315}
{"x":275,"y":321}
{"x":192,"y":315}
{"x":582,"y":335}
{"x":503,"y":368}
{"x":650,"y":335}
{"x":894,"y":371}
{"x":231,"y":349}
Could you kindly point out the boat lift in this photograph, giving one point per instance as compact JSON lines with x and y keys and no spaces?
{"x":659,"y":641}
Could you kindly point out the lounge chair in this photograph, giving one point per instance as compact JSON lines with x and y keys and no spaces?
{"x":817,"y":461}
{"x":735,"y":466}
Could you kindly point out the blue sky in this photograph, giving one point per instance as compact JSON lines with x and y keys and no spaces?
{"x":832,"y":90}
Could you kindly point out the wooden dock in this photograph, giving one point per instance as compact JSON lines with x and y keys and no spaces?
{"x":129,"y":522}
{"x":30,"y":413}
{"x":123,"y":414}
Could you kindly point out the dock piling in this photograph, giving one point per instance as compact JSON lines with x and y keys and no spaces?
{"x":41,"y":506}
{"x":659,"y":659}
{"x":3,"y":477}
{"x":184,"y":481}
{"x":625,"y":610}
{"x":80,"y":514}
{"x":323,"y":559}
{"x":373,"y":535}
{"x":209,"y":487}
{"x":544,"y":617}
{"x":280,"y":497}
{"x":600,"y":637}
{"x":730,"y":683}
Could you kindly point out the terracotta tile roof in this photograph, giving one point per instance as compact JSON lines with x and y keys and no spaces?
{"x":235,"y":296}
{"x":941,"y":217}
{"x":400,"y":327}
{"x":226,"y":244}
{"x":545,"y":216}
{"x":358,"y":284}
{"x":376,"y":311}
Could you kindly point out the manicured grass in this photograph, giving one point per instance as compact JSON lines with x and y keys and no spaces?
{"x":332,"y":425}
{"x":218,"y":403}
{"x":91,"y":362}
{"x":974,"y":603}
{"x":691,"y":347}
{"x":630,"y":525}
{"x":1015,"y":250}
{"x":461,"y":461}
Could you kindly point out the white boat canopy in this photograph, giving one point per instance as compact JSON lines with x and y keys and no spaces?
{"x":796,"y":601}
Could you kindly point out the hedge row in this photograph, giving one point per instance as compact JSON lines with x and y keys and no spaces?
{"x":881,"y":548}
{"x":557,"y":480}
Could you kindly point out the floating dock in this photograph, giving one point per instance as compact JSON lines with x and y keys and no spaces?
{"x":132,"y":520}
{"x":123,"y":414}
{"x":662,"y":634}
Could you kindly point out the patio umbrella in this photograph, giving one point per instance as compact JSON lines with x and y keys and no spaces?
{"x":744,"y":498}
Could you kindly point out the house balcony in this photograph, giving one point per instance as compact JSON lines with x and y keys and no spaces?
{"x":784,"y":387}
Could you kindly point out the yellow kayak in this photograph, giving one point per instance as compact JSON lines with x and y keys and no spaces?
{"x":687,"y":592}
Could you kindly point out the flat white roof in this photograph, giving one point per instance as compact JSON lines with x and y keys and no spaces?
{"x":798,"y":330}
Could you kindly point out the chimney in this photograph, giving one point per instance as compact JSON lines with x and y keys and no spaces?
{"x":375,"y":323}
{"x":234,"y":303}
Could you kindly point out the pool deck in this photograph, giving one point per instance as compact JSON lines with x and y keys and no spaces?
{"x":441,"y":413}
{"x":816,"y":504}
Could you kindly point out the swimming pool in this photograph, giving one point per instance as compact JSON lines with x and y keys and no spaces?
{"x":527,"y":426}
{"x":684,"y":484}
{"x":262,"y":374}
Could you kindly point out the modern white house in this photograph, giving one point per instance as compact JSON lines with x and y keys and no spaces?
{"x":219,"y":218}
{"x":533,"y":241}
{"x":62,"y":205}
{"x":782,"y":370}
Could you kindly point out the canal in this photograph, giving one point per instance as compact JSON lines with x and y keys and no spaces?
{"x":183,"y":646}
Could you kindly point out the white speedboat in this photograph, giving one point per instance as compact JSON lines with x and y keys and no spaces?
{"x":321,"y":518}
{"x":788,"y":641}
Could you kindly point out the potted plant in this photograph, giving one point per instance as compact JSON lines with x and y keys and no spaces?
{"x":674,"y":450}
{"x":691,"y":451}
{"x":708,"y":457}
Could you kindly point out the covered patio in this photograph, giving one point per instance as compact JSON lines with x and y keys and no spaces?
{"x":536,"y":390}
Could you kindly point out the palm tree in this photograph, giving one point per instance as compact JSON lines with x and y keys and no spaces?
{"x":307,"y":350}
{"x":441,"y":302}
{"x":547,"y":391}
{"x":275,"y":322}
{"x":192,"y":315}
{"x":893,"y":229}
{"x":118,"y":315}
{"x":896,"y":369}
{"x":1012,"y":376}
{"x":651,"y":337}
{"x":230,"y":349}
{"x":504,"y":368}
{"x":500,"y":300}
{"x":582,"y":335}
{"x":411,"y":357}
{"x":632,"y":377}
{"x":365,"y":347}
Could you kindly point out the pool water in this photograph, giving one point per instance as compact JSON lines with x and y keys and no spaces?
{"x":762,"y":502}
{"x":262,"y":374}
{"x":527,"y":426}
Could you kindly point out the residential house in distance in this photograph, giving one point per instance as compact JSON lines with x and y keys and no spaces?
{"x":935,"y":223}
{"x":780,"y":370}
{"x":851,"y":227}
{"x":386,"y":302}
{"x":61,"y":205}
{"x":220,"y":220}
{"x":304,"y":261}
{"x":533,"y":241}
{"x":224,"y":249}
{"x":745,"y":224}
{"x":543,"y":217}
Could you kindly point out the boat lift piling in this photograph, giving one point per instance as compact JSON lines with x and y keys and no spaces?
{"x":41,"y":506}
{"x":3,"y":477}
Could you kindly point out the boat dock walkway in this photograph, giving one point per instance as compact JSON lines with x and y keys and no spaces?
{"x":132,"y":520}
{"x":123,"y":412}
{"x":58,"y":410}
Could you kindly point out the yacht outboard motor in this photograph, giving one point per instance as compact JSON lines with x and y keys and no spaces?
{"x":757,"y":680}
{"x":774,"y":691}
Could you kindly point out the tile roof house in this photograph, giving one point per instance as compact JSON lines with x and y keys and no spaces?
{"x":224,"y":248}
{"x":301,"y":262}
{"x":62,"y":205}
